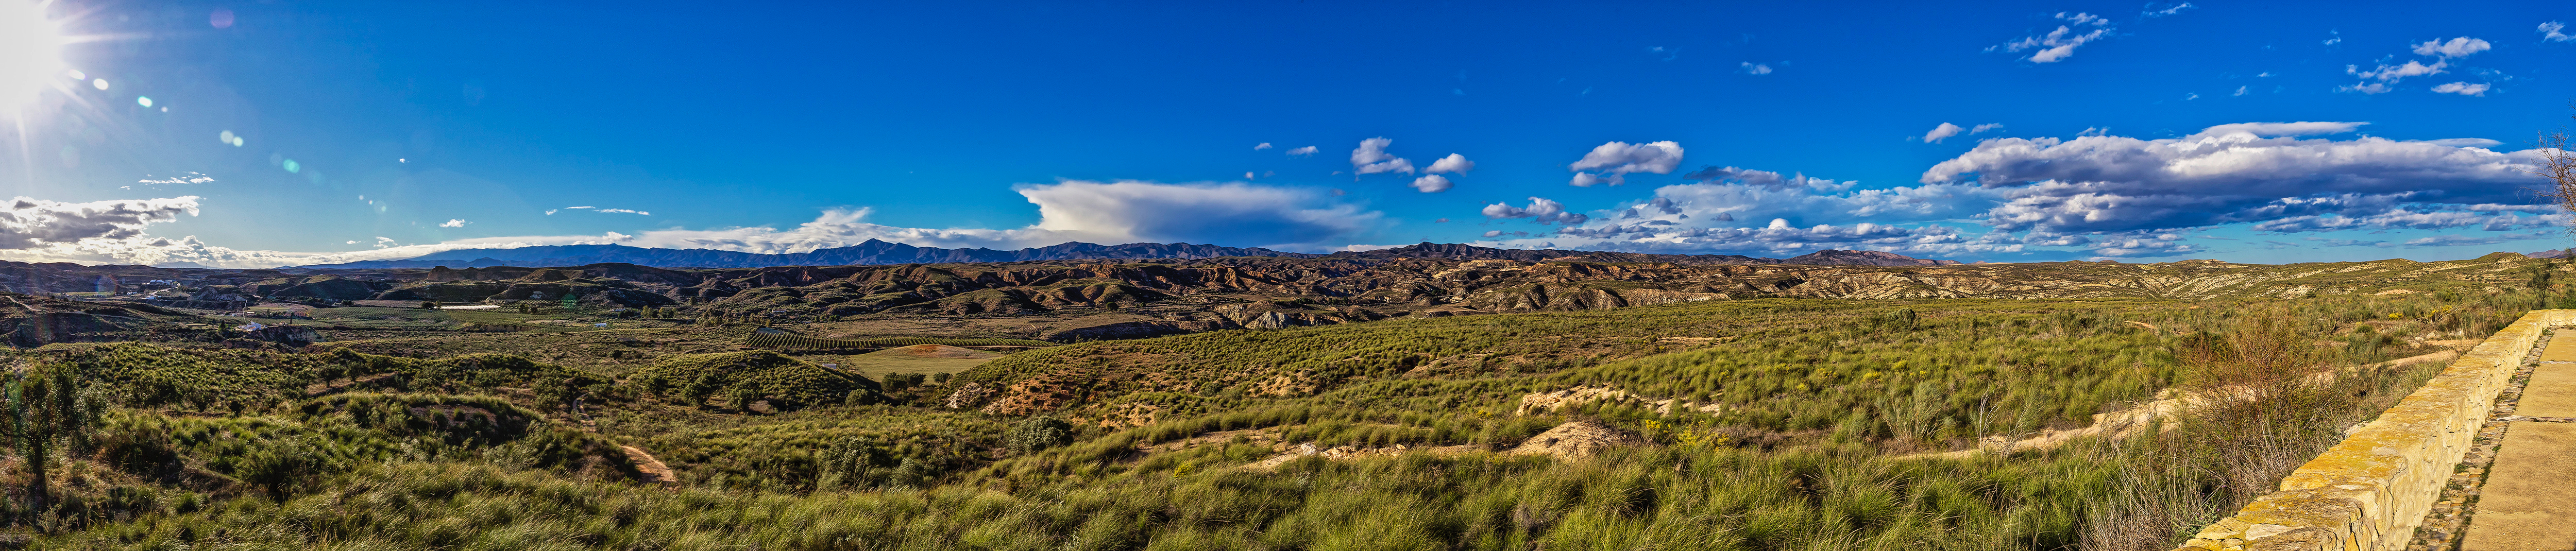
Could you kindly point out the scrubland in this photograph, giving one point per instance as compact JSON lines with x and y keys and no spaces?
{"x":1757,"y":424}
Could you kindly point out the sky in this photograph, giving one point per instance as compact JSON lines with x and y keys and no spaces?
{"x":263,"y":134}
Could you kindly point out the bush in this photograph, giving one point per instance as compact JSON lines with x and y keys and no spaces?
{"x":695,"y":377}
{"x":1038,"y":433}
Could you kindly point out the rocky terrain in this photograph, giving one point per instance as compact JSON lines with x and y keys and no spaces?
{"x":1128,"y":298}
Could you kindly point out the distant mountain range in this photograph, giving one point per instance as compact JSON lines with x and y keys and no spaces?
{"x":1454,"y":251}
{"x":875,"y":252}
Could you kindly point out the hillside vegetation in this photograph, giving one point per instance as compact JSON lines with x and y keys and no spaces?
{"x":1778,"y":422}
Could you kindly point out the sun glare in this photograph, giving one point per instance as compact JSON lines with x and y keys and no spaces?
{"x":30,"y":52}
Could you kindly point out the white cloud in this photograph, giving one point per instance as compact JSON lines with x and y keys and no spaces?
{"x":1539,"y":210}
{"x":187,"y":178}
{"x":2060,"y":44}
{"x":1452,"y":163}
{"x":1264,"y":145}
{"x":1617,"y":159}
{"x":2393,"y":73}
{"x":454,"y":223}
{"x":1302,"y":151}
{"x":2397,"y":216}
{"x":1987,"y":127}
{"x":2223,"y":174}
{"x":2457,"y":47}
{"x":2240,"y":90}
{"x":1752,"y":68}
{"x":2462,"y":88}
{"x":2110,"y":195}
{"x":1431,"y":183}
{"x":1371,"y":158}
{"x":2382,"y":77}
{"x":1098,"y":212}
{"x":1942,"y":132}
{"x":1585,"y":179}
{"x":2152,"y":13}
{"x":27,"y":223}
{"x":603,"y":210}
{"x":2555,"y":31}
{"x":2462,"y":240}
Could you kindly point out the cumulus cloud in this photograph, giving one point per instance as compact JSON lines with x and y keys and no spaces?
{"x":453,"y":223}
{"x":1264,"y":145}
{"x":1987,"y":127}
{"x":2223,"y":174}
{"x":1371,"y":158}
{"x":1702,"y":217}
{"x":31,"y":223}
{"x":1452,"y":163}
{"x":1539,"y":210}
{"x":1752,"y":68}
{"x":1942,"y":132}
{"x":1614,"y":160}
{"x":2555,"y":31}
{"x":1098,"y":212}
{"x":2462,"y":88}
{"x":2393,"y":73}
{"x":1431,"y":183}
{"x":2060,"y":44}
{"x":2382,"y":77}
{"x":1302,"y":151}
{"x":2395,"y":215}
{"x":1779,"y":237}
{"x":2111,"y":196}
{"x":2457,"y":47}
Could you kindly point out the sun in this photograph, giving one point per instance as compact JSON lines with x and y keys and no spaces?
{"x":31,"y":52}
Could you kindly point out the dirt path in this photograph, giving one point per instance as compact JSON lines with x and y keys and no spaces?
{"x":2524,"y":501}
{"x":653,"y":469}
{"x":2119,"y":424}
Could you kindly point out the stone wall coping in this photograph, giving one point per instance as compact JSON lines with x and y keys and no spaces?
{"x":2369,"y":492}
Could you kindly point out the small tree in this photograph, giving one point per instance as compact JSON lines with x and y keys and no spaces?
{"x":2557,"y":164}
{"x":48,"y":409}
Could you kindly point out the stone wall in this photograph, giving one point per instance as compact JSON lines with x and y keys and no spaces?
{"x":2370,"y":491}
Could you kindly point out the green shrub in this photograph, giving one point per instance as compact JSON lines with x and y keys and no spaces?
{"x":787,"y":381}
{"x":1038,"y":433}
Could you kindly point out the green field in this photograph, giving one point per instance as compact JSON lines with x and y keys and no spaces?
{"x":919,"y":358}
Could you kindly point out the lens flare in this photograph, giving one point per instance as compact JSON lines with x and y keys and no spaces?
{"x":31,"y":52}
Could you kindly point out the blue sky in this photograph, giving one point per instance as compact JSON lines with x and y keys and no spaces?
{"x":2276,"y":132}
